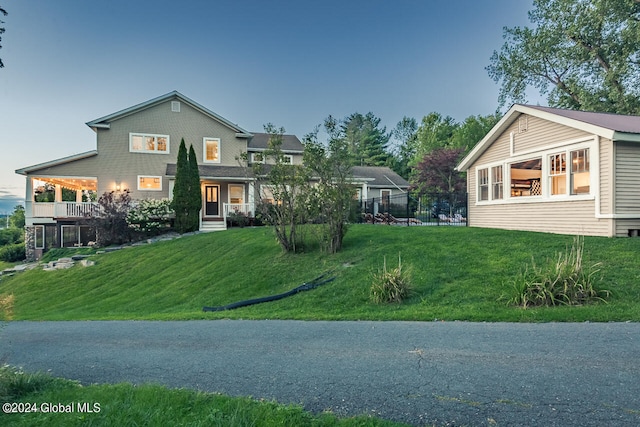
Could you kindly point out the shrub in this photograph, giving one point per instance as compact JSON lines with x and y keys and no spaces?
{"x":151,"y":216}
{"x":110,"y":223}
{"x":563,"y":281}
{"x":390,"y":285}
{"x":11,"y":235}
{"x":13,"y":253}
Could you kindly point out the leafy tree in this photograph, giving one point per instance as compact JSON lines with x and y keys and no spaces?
{"x":288,"y":184}
{"x":367,"y":142}
{"x":468,"y":133}
{"x":185,"y":191}
{"x":434,"y":132}
{"x":436,"y":172}
{"x":405,"y":135}
{"x":583,"y":54}
{"x":3,"y":12}
{"x":330,"y":165}
{"x":17,"y":219}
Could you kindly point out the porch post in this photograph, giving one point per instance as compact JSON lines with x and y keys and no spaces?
{"x":58,"y":193}
{"x":78,"y":196}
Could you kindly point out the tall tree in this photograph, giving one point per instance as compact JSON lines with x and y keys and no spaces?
{"x":434,"y":132}
{"x":184,"y":192}
{"x":583,"y":54}
{"x":468,"y":133}
{"x":195,"y":192}
{"x":366,"y":140}
{"x":3,"y":12}
{"x":437,"y":172}
{"x":404,"y":149}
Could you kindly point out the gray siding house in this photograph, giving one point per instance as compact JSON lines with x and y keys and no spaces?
{"x":559,"y":171}
{"x":136,"y":150}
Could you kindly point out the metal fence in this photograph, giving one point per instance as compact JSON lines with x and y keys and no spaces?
{"x":428,"y":209}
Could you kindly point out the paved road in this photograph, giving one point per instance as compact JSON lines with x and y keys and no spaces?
{"x":442,"y":373}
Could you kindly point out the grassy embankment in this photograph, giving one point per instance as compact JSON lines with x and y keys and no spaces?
{"x":457,"y":273}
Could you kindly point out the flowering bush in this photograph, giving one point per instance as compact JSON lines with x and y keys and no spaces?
{"x":151,"y":216}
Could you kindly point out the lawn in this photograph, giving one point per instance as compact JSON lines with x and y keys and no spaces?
{"x":458,"y":273}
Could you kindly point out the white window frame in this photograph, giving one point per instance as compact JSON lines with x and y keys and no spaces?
{"x":204,"y":150}
{"x":262,"y":160}
{"x":480,"y":185}
{"x":545,"y":153}
{"x":151,"y":177}
{"x":288,"y":157}
{"x":244,"y":200}
{"x":144,"y":148}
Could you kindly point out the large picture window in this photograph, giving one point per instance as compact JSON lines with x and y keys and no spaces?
{"x":525,"y":178}
{"x":146,"y":143}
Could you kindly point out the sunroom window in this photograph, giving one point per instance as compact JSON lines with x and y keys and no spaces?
{"x":580,"y":177}
{"x":483,"y":184}
{"x":496,"y":183}
{"x":558,"y":173}
{"x":525,"y":178}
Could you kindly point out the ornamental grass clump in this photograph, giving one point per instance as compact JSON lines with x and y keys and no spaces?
{"x":562,"y":281}
{"x":390,"y":286}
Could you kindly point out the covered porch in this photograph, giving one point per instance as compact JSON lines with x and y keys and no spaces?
{"x":61,"y":197}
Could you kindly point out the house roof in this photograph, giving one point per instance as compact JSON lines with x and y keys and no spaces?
{"x":616,"y":127}
{"x":61,"y":161}
{"x":104,"y":122}
{"x":379,"y":176}
{"x":260,"y":142}
{"x":214,"y":171}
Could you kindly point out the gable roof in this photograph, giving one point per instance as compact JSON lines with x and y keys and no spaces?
{"x":379,"y":176}
{"x":260,"y":142}
{"x":616,"y":127}
{"x":105,"y":122}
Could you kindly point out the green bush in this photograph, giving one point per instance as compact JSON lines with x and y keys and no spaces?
{"x":11,"y":235}
{"x":13,"y":253}
{"x":563,"y":281}
{"x":390,"y":285}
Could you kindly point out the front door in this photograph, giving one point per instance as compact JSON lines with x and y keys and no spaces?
{"x":211,"y":197}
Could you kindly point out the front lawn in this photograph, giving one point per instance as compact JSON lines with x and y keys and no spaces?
{"x":457,"y":273}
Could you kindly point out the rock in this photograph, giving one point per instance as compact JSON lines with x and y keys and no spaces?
{"x":87,"y":263}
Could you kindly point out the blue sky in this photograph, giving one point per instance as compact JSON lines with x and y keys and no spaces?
{"x":291,"y":63}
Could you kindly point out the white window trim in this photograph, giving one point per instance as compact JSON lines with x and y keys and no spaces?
{"x":545,"y":153}
{"x":204,"y":150}
{"x":253,"y":158}
{"x":288,"y":156}
{"x":145,"y":151}
{"x":244,"y":200}
{"x":148,"y":189}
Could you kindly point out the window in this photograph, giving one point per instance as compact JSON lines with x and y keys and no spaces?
{"x":144,"y":143}
{"x":558,"y":173}
{"x":580,"y":177}
{"x":211,"y":150}
{"x":257,"y":158}
{"x":287,"y":158}
{"x":496,"y":183}
{"x":149,"y":183}
{"x":525,"y":178}
{"x":266,"y":194}
{"x":236,"y":194}
{"x":39,"y":231}
{"x":483,"y":184}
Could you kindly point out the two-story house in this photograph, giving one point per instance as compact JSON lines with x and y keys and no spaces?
{"x":136,"y":149}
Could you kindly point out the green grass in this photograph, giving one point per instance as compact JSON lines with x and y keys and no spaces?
{"x":148,"y":405}
{"x":457,"y":273}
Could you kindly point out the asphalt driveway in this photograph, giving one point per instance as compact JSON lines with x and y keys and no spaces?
{"x":442,"y":373}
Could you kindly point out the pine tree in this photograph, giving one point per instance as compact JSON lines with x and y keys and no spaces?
{"x":195,"y":193}
{"x":180,"y":202}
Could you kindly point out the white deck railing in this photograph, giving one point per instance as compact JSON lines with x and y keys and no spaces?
{"x":237,"y":208}
{"x":64,"y":209}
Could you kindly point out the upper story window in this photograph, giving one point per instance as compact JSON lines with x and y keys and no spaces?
{"x":287,"y":158}
{"x":257,"y":158}
{"x":147,"y":143}
{"x":211,"y":150}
